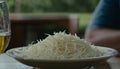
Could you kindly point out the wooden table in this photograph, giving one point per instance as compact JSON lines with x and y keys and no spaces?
{"x":7,"y":62}
{"x":21,"y":26}
{"x":69,"y":21}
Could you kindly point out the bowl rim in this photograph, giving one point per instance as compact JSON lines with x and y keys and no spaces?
{"x":11,"y":53}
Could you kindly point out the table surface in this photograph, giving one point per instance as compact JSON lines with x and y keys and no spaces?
{"x":7,"y":62}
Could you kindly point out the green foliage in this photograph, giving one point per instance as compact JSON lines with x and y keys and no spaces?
{"x":34,"y":5}
{"x":83,"y":23}
{"x":54,"y":5}
{"x":84,"y":19}
{"x":11,"y":5}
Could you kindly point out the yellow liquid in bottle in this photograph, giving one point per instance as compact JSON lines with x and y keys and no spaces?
{"x":4,"y":41}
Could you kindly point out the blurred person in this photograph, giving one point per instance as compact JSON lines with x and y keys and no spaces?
{"x":104,"y":29}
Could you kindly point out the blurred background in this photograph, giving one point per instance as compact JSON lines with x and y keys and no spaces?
{"x":74,"y":11}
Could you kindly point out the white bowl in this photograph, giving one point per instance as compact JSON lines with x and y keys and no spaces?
{"x":62,"y":64}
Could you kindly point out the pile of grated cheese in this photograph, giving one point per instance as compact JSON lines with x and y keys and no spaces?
{"x":61,"y":46}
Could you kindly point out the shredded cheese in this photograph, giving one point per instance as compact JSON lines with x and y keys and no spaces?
{"x":61,"y":46}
